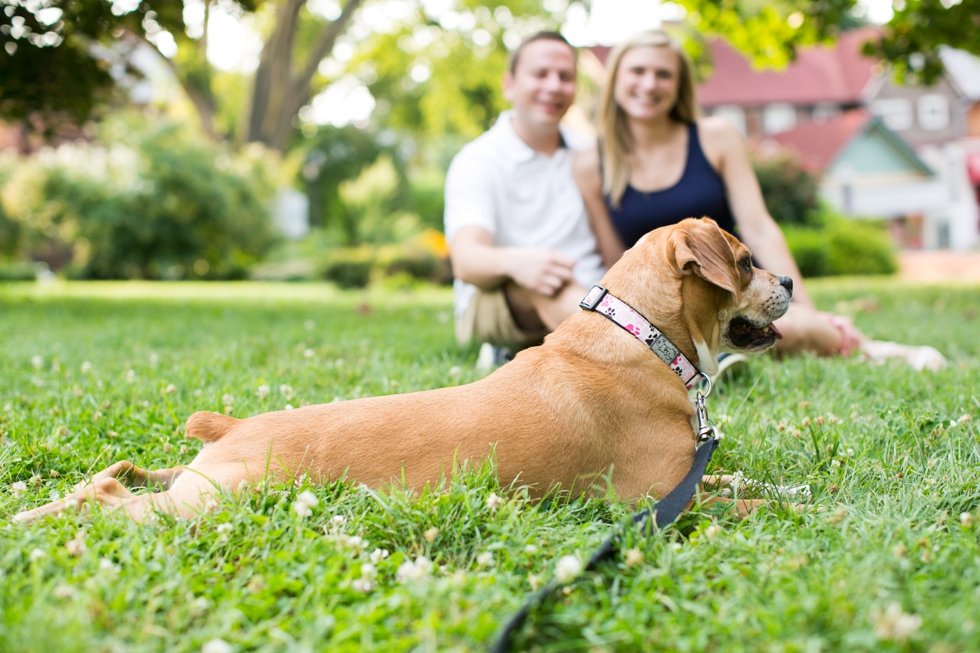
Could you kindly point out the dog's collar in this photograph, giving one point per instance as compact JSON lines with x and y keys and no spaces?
{"x":600,"y":301}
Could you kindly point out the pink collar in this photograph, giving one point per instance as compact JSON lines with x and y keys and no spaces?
{"x":600,"y":301}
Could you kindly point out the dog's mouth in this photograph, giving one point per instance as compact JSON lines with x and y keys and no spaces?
{"x":745,"y":335}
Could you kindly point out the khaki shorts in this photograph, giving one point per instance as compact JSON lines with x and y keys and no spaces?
{"x":488,"y":319}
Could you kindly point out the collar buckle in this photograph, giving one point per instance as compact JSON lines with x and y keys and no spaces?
{"x":593,"y":298}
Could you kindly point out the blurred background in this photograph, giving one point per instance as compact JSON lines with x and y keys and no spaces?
{"x":309,"y":139}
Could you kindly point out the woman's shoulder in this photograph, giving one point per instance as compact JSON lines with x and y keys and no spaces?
{"x":717,"y":128}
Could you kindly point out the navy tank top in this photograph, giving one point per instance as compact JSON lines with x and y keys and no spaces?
{"x":699,"y":193}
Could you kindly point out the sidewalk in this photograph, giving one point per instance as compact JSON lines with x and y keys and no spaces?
{"x":939,"y":265}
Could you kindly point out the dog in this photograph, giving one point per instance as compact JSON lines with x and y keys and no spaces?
{"x":593,"y":401}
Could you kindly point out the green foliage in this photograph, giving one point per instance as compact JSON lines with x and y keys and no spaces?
{"x":888,"y":454}
{"x":789,"y":190}
{"x":170,"y":208}
{"x":842,"y":247}
{"x":350,"y":268}
{"x":919,"y":29}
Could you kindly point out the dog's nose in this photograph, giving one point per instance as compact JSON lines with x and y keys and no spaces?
{"x":786,"y":283}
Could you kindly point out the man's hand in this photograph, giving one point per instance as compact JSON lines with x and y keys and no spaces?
{"x":540,"y":269}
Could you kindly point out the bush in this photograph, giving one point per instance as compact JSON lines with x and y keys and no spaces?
{"x":350,"y":268}
{"x":168,"y":208}
{"x":789,"y":190}
{"x":19,"y":271}
{"x":844,"y":246}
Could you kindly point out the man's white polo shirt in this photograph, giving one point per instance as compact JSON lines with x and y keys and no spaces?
{"x":523,"y":198}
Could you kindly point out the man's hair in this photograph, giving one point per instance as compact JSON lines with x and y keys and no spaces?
{"x":616,"y":139}
{"x":539,"y":36}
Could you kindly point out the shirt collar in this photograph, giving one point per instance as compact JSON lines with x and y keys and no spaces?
{"x":519,"y":151}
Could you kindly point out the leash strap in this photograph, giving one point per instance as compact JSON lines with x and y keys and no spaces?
{"x":666,"y":511}
{"x":599,"y":300}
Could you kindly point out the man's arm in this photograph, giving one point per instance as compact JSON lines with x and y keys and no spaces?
{"x":477,"y":261}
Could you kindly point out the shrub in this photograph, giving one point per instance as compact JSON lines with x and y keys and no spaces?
{"x":789,"y":190}
{"x":843,"y":246}
{"x":18,"y":271}
{"x":810,"y":249}
{"x":170,"y":207}
{"x":349,"y":268}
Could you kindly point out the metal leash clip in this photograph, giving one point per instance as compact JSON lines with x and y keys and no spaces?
{"x":706,"y":430}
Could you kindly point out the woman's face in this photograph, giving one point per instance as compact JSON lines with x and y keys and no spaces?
{"x":647,"y":81}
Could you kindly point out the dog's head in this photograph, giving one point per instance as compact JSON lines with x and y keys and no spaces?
{"x":701,"y":280}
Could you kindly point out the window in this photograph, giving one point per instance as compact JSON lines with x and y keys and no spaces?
{"x":824,"y":111}
{"x":732,"y":114}
{"x":933,"y":111}
{"x":896,"y":113}
{"x":778,"y":118}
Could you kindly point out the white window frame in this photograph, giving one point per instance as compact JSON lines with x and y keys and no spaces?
{"x":896,"y":113}
{"x":778,"y":117}
{"x":933,"y":111}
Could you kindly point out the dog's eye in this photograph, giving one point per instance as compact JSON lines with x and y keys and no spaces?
{"x":747,"y":263}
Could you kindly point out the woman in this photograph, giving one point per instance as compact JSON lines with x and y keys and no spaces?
{"x":657,"y":162}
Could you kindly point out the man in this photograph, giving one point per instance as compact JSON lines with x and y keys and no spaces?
{"x":522,"y":250}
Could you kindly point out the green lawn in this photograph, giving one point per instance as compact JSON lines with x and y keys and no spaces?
{"x":885,"y":555}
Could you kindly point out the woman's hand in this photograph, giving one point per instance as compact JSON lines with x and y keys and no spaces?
{"x":851,"y":338}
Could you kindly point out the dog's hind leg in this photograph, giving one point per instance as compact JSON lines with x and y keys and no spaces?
{"x":107,"y":491}
{"x":134,"y":477}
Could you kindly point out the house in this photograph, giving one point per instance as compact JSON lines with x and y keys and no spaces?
{"x":826,"y":86}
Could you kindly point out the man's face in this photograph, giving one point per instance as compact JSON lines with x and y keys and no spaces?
{"x":542,"y":87}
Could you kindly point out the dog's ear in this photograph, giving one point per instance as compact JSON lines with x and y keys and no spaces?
{"x":700,"y":247}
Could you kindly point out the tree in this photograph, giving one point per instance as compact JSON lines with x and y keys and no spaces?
{"x":920,"y":28}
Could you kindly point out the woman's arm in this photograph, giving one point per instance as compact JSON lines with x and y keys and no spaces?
{"x":725,"y":149}
{"x":585,"y":169}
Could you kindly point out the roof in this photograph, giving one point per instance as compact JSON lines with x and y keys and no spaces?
{"x":819,"y":143}
{"x":819,"y":74}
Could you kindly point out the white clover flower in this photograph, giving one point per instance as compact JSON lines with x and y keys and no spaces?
{"x":18,"y":487}
{"x":63,"y":591}
{"x":86,"y":367}
{"x":966,"y":519}
{"x":484,"y":559}
{"x":849,"y":451}
{"x":55,"y":366}
{"x":633,"y":557}
{"x":895,"y":625}
{"x":76,"y":547}
{"x":713,"y":531}
{"x":288,"y":407}
{"x":568,"y":568}
{"x":217,"y":645}
{"x":262,"y":392}
{"x":286,"y":390}
{"x":738,"y":480}
{"x":35,"y":554}
{"x":308,"y":353}
{"x":455,"y":371}
{"x":154,"y":358}
{"x":368,"y":570}
{"x":356,"y":542}
{"x":338,"y":520}
{"x":37,"y":362}
{"x":494,"y":502}
{"x":362,"y":585}
{"x":170,"y":389}
{"x":224,"y":528}
{"x":107,"y":566}
{"x":378,"y":555}
{"x":410,"y":571}
{"x":304,"y":504}
{"x":530,"y":549}
{"x":309,"y":325}
{"x":227,"y":399}
{"x":431,"y":534}
{"x":835,"y":463}
{"x":130,"y":375}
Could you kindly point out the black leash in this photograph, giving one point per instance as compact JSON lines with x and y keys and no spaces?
{"x":666,"y":511}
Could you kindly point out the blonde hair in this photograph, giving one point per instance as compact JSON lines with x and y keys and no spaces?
{"x":616,"y":139}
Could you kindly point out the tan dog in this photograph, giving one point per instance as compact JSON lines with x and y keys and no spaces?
{"x":591,"y":399}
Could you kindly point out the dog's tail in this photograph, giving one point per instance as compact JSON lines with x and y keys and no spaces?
{"x":209,"y":427}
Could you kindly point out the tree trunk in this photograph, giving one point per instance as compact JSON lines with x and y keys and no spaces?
{"x":278,"y":94}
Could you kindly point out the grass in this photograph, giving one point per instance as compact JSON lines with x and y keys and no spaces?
{"x":885,"y":556}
